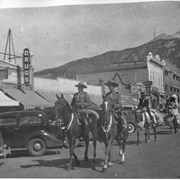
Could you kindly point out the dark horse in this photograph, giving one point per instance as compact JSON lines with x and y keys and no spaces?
{"x":110,"y":131}
{"x":74,"y":128}
{"x":143,"y":124}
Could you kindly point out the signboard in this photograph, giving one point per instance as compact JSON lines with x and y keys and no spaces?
{"x":148,"y":87}
{"x":3,"y":74}
{"x":26,"y":65}
{"x":130,"y":63}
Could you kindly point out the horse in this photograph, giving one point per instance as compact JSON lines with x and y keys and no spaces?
{"x":170,"y":120}
{"x":142,"y":123}
{"x":74,"y":128}
{"x":112,"y":130}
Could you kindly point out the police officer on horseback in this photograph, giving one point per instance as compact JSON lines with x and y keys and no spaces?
{"x":113,"y":97}
{"x":81,"y":99}
{"x":82,"y":104}
{"x":144,"y":107}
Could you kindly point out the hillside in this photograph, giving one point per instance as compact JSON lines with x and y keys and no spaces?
{"x":167,"y":46}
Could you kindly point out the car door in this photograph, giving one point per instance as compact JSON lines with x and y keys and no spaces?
{"x":9,"y":130}
{"x":29,"y":126}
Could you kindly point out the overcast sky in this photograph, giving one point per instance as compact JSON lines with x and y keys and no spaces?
{"x":57,"y":35}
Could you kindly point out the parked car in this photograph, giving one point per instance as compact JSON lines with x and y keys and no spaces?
{"x":131,"y":118}
{"x":29,"y":129}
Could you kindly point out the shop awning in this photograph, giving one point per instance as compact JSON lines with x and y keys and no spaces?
{"x":51,"y":96}
{"x":6,"y":101}
{"x":28,"y":98}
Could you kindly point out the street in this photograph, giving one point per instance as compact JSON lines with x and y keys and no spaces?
{"x":159,"y":159}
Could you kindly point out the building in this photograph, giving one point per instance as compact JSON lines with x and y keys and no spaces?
{"x":134,"y":73}
{"x":171,"y":79}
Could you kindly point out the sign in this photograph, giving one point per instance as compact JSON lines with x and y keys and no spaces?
{"x":3,"y":74}
{"x":148,"y":87}
{"x":130,"y":63}
{"x":26,"y":65}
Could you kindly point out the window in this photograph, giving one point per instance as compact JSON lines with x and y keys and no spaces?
{"x":7,"y":121}
{"x":25,"y":120}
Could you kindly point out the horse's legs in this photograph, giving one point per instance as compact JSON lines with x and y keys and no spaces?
{"x":95,"y":138}
{"x":87,"y":146}
{"x":71,"y":149}
{"x":71,"y":152}
{"x":146,"y":133}
{"x":107,"y":152}
{"x":137,"y":127}
{"x":175,"y":125}
{"x":122,"y":150}
{"x":154,"y":129}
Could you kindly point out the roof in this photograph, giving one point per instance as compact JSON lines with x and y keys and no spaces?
{"x":51,"y":96}
{"x":28,"y":98}
{"x":6,"y":101}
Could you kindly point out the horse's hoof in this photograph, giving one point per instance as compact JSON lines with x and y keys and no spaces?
{"x":69,"y":167}
{"x":121,"y":162}
{"x":86,"y":158}
{"x":109,"y":165}
{"x":104,"y":170}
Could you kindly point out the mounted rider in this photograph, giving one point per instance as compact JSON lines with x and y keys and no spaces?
{"x":82,"y":103}
{"x":113,"y":98}
{"x":174,"y":106}
{"x":145,"y":109}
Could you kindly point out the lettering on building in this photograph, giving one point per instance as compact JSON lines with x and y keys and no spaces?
{"x":26,"y":66}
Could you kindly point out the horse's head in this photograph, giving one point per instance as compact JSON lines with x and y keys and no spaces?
{"x":61,"y":106}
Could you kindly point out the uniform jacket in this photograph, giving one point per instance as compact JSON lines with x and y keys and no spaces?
{"x":113,"y":98}
{"x":81,"y":100}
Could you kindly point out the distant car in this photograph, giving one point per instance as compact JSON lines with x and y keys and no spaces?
{"x":131,"y":118}
{"x":29,"y":129}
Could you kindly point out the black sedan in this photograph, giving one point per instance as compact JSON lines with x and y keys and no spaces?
{"x":29,"y":130}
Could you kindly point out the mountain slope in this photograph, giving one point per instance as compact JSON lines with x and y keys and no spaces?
{"x":168,"y":47}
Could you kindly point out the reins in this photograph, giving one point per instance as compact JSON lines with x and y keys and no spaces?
{"x":70,"y":123}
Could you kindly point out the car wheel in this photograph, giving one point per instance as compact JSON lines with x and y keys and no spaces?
{"x":36,"y":147}
{"x":131,"y":128}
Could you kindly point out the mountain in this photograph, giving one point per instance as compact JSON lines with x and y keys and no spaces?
{"x":167,"y":46}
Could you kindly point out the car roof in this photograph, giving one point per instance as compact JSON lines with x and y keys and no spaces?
{"x":24,"y":112}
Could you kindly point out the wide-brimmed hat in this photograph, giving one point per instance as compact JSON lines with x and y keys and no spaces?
{"x":81,"y":84}
{"x":111,"y":83}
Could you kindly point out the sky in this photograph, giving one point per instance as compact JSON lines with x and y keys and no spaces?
{"x":59,"y":33}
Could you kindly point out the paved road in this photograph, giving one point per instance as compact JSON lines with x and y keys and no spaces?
{"x":154,"y":160}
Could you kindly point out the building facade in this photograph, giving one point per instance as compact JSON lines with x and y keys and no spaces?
{"x":171,"y":79}
{"x":134,"y":73}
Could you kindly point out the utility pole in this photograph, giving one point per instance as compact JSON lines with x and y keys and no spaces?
{"x":9,"y":45}
{"x":154,"y":31}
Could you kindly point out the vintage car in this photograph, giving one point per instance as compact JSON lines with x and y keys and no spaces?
{"x":29,"y":129}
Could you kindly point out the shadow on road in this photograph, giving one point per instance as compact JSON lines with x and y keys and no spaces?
{"x":163,"y":132}
{"x":1,"y":164}
{"x":24,"y":153}
{"x":62,"y":163}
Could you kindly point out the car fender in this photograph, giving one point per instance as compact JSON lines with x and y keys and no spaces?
{"x":49,"y":139}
